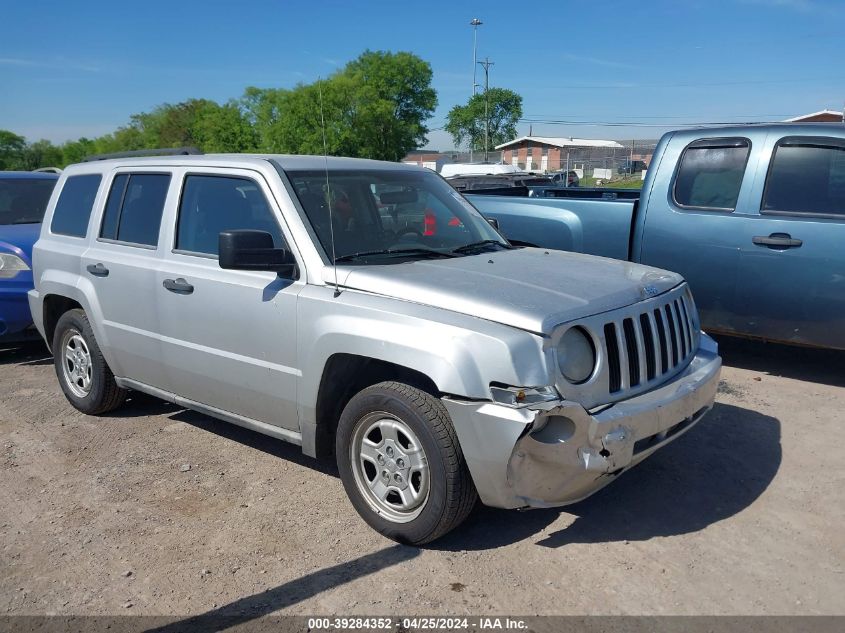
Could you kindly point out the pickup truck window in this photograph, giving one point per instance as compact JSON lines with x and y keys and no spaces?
{"x":134,"y":208}
{"x":73,"y":208}
{"x":710,"y":174}
{"x":212,"y":204}
{"x":389,"y":215}
{"x":806,"y":177}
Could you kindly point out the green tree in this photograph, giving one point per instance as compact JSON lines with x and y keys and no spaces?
{"x":393,"y":99}
{"x":11,"y":146}
{"x":375,"y":107}
{"x":467,"y":122}
{"x":75,"y":151}
{"x":223,"y":128}
{"x":39,"y":154}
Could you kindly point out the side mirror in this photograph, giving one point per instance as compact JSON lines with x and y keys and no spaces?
{"x":493,"y":222}
{"x":254,"y":250}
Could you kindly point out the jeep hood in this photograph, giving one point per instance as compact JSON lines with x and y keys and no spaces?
{"x":529,"y":288}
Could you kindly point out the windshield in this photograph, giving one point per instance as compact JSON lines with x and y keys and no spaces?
{"x":378,"y":215}
{"x":24,"y":200}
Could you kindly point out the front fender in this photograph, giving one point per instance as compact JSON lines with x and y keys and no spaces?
{"x":462,"y":355}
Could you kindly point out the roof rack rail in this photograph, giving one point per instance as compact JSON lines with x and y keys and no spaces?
{"x":167,"y":151}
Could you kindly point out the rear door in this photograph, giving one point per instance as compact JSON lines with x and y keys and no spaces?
{"x":792,"y":271}
{"x":229,"y":336}
{"x":120,"y":265}
{"x":693,"y":222}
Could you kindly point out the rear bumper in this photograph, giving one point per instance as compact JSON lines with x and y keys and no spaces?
{"x":558,"y":453}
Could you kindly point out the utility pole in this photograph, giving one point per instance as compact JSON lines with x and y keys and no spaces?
{"x":474,"y":23}
{"x":486,"y":65}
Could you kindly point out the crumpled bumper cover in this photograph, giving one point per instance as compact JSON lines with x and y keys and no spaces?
{"x":558,"y":453}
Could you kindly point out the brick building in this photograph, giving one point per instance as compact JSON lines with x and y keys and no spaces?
{"x":822,"y":116}
{"x":551,"y":153}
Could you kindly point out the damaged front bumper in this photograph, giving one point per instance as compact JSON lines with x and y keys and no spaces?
{"x":556,"y":453}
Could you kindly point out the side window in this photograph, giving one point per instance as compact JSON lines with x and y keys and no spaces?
{"x":134,"y":208}
{"x":212,"y":204}
{"x":73,"y":208}
{"x":806,"y":177}
{"x":710,"y":173}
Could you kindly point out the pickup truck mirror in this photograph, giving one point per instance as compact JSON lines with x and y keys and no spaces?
{"x":254,"y":250}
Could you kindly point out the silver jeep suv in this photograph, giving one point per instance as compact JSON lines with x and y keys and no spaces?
{"x":366,"y":309}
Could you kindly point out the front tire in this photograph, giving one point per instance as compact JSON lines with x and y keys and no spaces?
{"x":84,"y":376}
{"x":401,"y":463}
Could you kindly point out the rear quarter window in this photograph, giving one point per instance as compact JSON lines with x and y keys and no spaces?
{"x":73,"y":208}
{"x":710,"y":174}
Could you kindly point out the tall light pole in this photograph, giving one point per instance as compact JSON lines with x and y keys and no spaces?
{"x":486,"y":65}
{"x":474,"y":23}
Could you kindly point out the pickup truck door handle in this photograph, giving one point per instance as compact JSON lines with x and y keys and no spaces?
{"x":179,"y":286}
{"x":777,"y":240}
{"x":98,"y":270}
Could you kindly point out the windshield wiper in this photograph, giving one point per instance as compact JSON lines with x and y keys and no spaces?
{"x":395,"y":252}
{"x":468,"y":248}
{"x":26,"y":222}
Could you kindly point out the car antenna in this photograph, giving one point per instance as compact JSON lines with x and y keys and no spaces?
{"x":328,"y":186}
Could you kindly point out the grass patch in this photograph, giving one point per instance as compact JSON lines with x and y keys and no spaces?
{"x":619,"y":183}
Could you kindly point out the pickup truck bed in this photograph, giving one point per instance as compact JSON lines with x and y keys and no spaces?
{"x":596,"y":226}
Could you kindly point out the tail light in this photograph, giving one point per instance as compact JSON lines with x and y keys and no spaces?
{"x":429,"y":223}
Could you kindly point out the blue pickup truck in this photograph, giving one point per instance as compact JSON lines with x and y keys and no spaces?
{"x":23,"y":200}
{"x":752,"y":216}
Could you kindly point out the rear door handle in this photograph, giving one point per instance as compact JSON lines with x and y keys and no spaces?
{"x":777,"y":240}
{"x":179,"y":286}
{"x":98,"y":270}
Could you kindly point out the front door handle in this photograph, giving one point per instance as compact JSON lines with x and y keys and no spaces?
{"x":98,"y":270}
{"x":777,"y":240}
{"x":179,"y":286}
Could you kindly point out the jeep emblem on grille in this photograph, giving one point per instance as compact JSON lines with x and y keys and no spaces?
{"x":649,"y":291}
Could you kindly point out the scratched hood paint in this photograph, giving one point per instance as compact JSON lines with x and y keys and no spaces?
{"x":528,"y":288}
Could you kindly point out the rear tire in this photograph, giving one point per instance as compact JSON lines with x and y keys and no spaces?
{"x":401,"y":463}
{"x":84,"y":376}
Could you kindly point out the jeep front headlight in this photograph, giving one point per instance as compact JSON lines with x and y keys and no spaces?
{"x":576,"y":355}
{"x":11,"y":265}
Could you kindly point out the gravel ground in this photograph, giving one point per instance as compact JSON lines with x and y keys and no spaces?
{"x":158,"y":510}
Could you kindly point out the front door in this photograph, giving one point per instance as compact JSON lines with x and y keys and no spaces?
{"x":693,"y":223}
{"x":229,"y":336}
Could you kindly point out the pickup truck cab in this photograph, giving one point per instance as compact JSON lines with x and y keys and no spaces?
{"x":753,"y":217}
{"x":366,"y":309}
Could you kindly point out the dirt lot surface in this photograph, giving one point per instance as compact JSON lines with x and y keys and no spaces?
{"x":742,"y":515}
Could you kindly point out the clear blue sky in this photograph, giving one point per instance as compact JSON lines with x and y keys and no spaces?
{"x":71,"y":69}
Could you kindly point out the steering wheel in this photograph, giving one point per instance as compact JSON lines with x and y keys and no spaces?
{"x":408,"y":231}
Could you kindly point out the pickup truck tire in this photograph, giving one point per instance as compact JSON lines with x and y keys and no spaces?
{"x":418,"y":449}
{"x":84,"y":375}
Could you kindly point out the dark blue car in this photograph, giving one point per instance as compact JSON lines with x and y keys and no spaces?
{"x":23,"y":199}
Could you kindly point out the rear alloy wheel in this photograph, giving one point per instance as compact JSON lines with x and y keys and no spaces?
{"x":76,"y":362}
{"x":401,"y":463}
{"x":83,"y":373}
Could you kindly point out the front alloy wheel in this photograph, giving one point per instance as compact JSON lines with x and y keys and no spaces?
{"x":390,"y":466}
